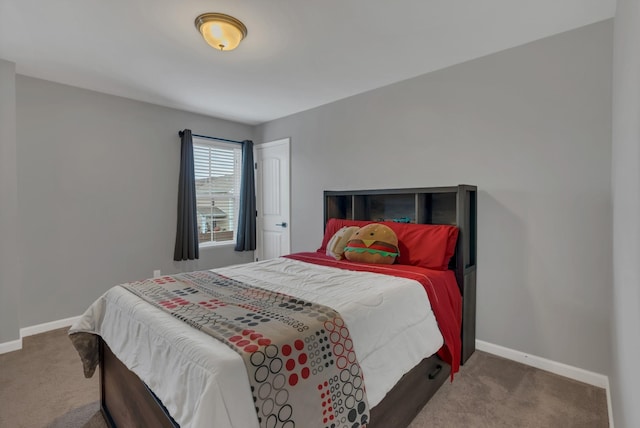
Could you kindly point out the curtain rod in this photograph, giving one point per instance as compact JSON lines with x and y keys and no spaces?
{"x":211,"y":138}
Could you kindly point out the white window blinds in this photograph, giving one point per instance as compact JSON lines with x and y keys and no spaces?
{"x":217,"y":174}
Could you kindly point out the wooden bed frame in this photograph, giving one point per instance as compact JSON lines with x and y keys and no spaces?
{"x":127,"y":402}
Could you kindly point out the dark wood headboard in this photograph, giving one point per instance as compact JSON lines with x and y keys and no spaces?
{"x":454,"y":205}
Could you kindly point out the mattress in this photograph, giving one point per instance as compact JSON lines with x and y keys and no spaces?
{"x":202,"y":382}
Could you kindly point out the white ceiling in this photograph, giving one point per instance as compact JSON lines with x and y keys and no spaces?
{"x":298,"y":54}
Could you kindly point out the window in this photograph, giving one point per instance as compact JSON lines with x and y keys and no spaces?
{"x":217,"y":174}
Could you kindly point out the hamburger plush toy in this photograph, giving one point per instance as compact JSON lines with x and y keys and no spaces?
{"x":373,"y":243}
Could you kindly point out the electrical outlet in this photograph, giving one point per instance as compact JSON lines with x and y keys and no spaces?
{"x":156,"y":273}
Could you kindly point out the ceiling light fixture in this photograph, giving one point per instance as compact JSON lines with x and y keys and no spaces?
{"x":221,"y":31}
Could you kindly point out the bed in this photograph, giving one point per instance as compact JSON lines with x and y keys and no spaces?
{"x":138,"y":342}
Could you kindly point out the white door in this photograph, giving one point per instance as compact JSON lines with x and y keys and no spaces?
{"x":272,"y":199}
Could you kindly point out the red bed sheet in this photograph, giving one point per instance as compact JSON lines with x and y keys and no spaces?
{"x":440,"y":286}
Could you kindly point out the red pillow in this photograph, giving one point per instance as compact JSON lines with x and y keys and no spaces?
{"x":428,"y":245}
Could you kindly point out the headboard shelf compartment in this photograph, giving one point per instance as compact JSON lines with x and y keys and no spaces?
{"x":454,"y":205}
{"x":385,"y":207}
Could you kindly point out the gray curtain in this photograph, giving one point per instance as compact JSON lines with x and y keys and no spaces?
{"x":246,"y":236}
{"x":187,"y":231}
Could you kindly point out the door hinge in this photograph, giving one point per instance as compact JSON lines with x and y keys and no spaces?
{"x":255,"y":165}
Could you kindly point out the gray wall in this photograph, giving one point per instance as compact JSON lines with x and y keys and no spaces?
{"x":626,"y":212}
{"x":9,"y":241}
{"x":97,"y":187}
{"x":97,"y":178}
{"x":531,"y":126}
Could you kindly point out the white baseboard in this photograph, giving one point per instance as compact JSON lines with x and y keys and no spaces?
{"x":571,"y":372}
{"x":11,"y":346}
{"x":16,"y":345}
{"x":609,"y":406}
{"x":561,"y":369}
{"x":48,"y":326}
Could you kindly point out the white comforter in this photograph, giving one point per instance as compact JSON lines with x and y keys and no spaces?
{"x":203,"y":383}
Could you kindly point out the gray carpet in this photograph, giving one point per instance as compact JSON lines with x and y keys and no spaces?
{"x":42,"y":386}
{"x":493,"y":392}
